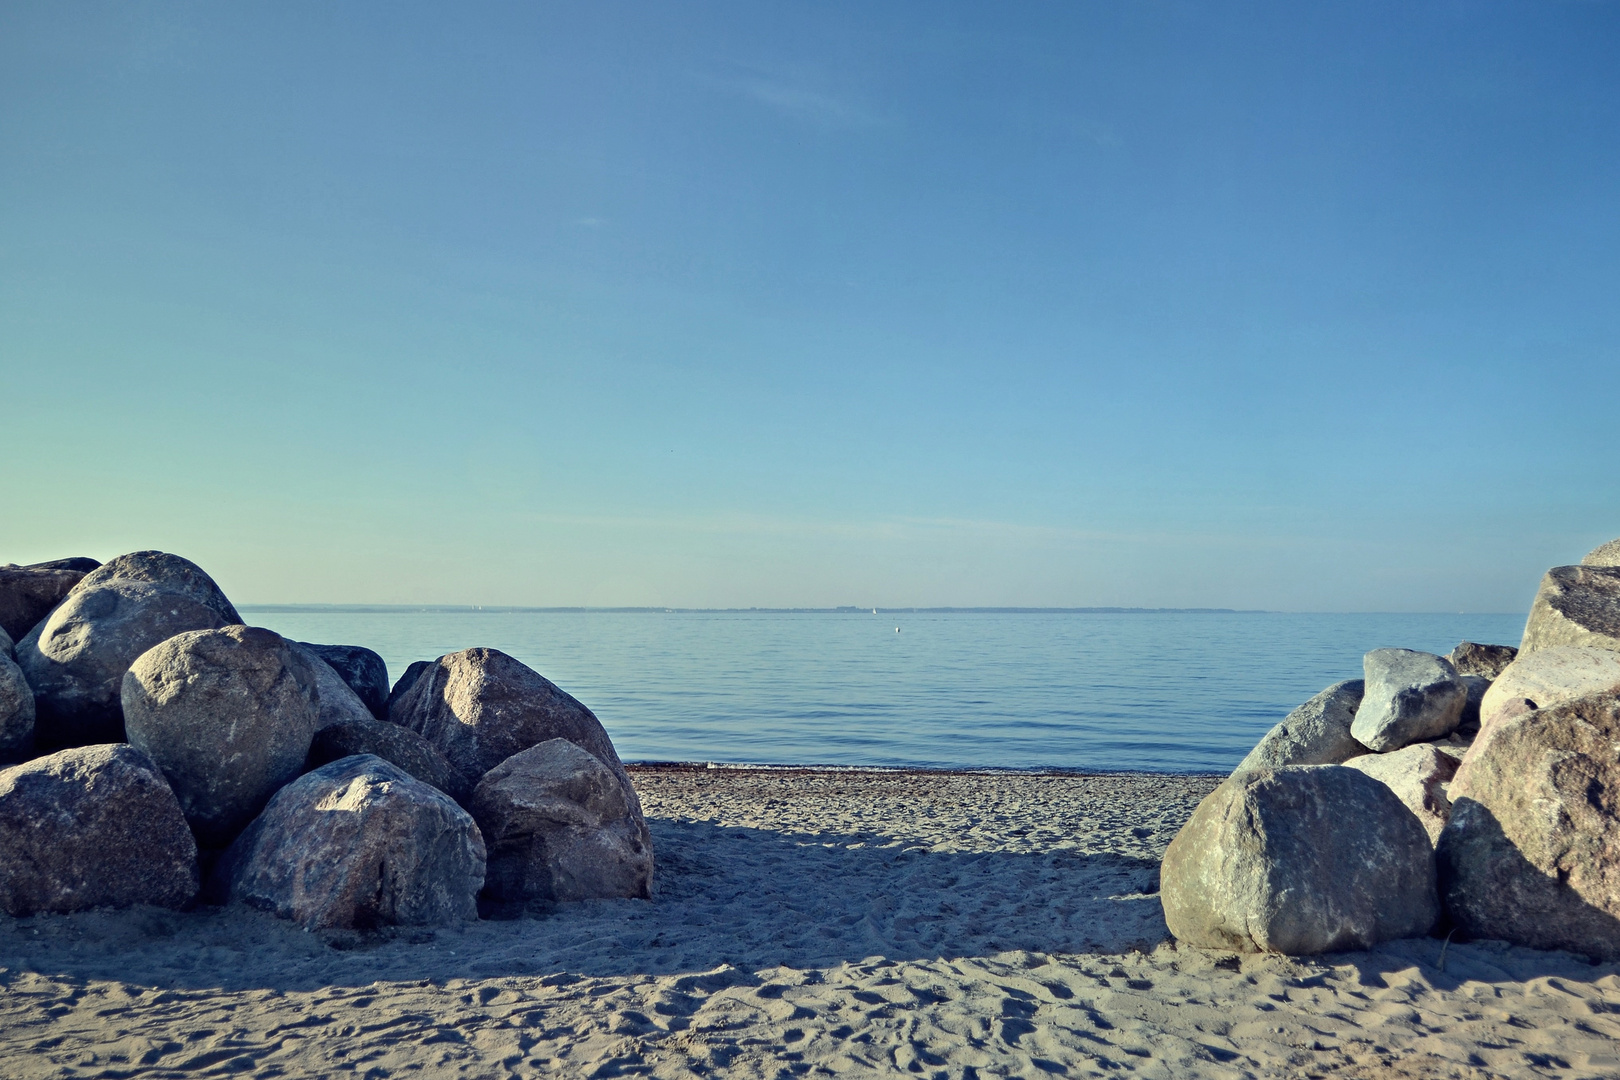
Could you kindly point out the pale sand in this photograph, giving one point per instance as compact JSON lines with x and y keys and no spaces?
{"x":805,"y":924}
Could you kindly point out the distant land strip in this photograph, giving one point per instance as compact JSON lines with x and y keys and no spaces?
{"x":843,"y":610}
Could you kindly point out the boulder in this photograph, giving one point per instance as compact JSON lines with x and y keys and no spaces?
{"x":1410,"y":696}
{"x":1468,"y":722}
{"x":1316,"y":733}
{"x":7,"y":646}
{"x":1418,"y":775}
{"x":1487,"y":661}
{"x":362,"y":670}
{"x":28,"y":593}
{"x":228,"y":715}
{"x":16,"y":713}
{"x":338,"y":702}
{"x":560,"y":826}
{"x":406,"y":681}
{"x":399,"y":746}
{"x":1576,"y":605}
{"x":1603,"y":555}
{"x":1532,"y":852}
{"x":1302,"y":859}
{"x":1548,"y":677}
{"x":95,"y":826}
{"x":480,"y":706}
{"x":358,"y":844}
{"x":76,"y":657}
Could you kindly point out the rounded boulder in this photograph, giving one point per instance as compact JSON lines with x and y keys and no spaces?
{"x":1299,"y":860}
{"x":76,"y":657}
{"x":95,"y":826}
{"x":228,"y":715}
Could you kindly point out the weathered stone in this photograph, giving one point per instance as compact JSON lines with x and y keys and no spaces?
{"x":1316,"y":733}
{"x":406,"y":681}
{"x":228,"y":716}
{"x":1477,"y":686}
{"x":92,"y":827}
{"x":1603,"y":555}
{"x":7,"y":646}
{"x":1418,"y":776}
{"x":399,"y":746}
{"x":560,"y":826}
{"x":480,"y":706}
{"x":1410,"y":696}
{"x":1303,"y":859}
{"x":76,"y":657}
{"x":1532,"y":852}
{"x":1548,"y":677}
{"x":362,"y":670}
{"x":1576,"y":605}
{"x":339,"y":703}
{"x":358,"y":844}
{"x":28,"y":593}
{"x":16,"y":713}
{"x":1472,"y":658}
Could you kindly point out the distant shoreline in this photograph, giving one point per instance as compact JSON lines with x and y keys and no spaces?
{"x":387,"y":609}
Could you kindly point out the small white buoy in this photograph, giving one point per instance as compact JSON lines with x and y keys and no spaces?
{"x":897,"y":629}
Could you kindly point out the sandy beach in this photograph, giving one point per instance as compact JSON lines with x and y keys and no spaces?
{"x":806,"y":923}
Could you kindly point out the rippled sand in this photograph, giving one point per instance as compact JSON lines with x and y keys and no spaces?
{"x":806,"y":923}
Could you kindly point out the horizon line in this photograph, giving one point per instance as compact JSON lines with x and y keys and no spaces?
{"x":843,"y":609}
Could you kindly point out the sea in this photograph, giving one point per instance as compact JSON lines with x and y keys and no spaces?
{"x":1073,"y":690}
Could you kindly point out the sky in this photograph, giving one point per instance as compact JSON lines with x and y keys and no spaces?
{"x":1288,"y":306}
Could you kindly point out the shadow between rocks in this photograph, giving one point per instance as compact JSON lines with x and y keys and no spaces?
{"x":743,"y":897}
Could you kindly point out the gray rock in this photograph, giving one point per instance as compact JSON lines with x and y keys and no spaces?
{"x":339,"y":703}
{"x":560,"y":827}
{"x":1418,"y":775}
{"x":362,"y":670}
{"x":1532,"y":852}
{"x":1576,"y":605}
{"x":399,"y":746}
{"x":1549,"y":677}
{"x":28,"y":593}
{"x":1303,"y":859}
{"x":358,"y":844}
{"x":1472,"y":658}
{"x":1603,"y":555}
{"x":16,"y":713}
{"x":228,"y":715}
{"x":406,"y":681}
{"x":92,"y":827}
{"x":76,"y":657}
{"x":1476,"y":686}
{"x":1410,"y":696}
{"x":1316,"y":733}
{"x":7,"y":646}
{"x":480,"y":706}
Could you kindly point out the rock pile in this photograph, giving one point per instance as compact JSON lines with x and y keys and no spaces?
{"x":1478,"y":791}
{"x":196,"y":756}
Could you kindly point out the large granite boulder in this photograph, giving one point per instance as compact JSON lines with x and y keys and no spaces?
{"x":228,"y":715}
{"x":1531,"y":854}
{"x":76,"y":657}
{"x":1418,"y":775}
{"x":1410,"y":696}
{"x":94,"y":826}
{"x":399,"y":746}
{"x":1303,"y":859}
{"x":1316,"y":733}
{"x":338,"y":702}
{"x":406,"y":681}
{"x":358,"y":844}
{"x":1576,"y":605}
{"x":1603,"y":555}
{"x":480,"y":706}
{"x":1548,"y":677}
{"x":362,"y":670}
{"x":1486,"y":661}
{"x":560,"y":826}
{"x":28,"y":593}
{"x":16,"y":713}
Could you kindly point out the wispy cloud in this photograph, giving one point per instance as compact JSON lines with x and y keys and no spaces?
{"x":798,"y":97}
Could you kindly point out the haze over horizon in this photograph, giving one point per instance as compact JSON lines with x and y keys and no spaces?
{"x":1256,"y":306}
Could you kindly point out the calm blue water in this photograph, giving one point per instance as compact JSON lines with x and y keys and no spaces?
{"x":1173,"y":692}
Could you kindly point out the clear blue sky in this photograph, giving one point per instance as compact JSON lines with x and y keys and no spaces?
{"x":1299,"y":306}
